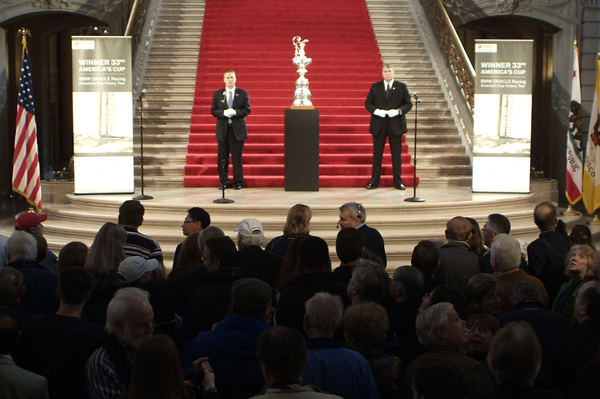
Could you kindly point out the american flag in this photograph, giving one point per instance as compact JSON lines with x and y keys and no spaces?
{"x":26,"y":166}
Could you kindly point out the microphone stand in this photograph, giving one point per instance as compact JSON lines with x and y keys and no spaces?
{"x":414,"y":198}
{"x":222,"y":174}
{"x":142,"y":196}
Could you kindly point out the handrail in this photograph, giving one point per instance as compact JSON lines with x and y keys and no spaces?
{"x":452,"y":47}
{"x":131,"y":19}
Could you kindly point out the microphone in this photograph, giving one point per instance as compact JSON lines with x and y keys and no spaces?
{"x":414,"y":94}
{"x":142,"y":93}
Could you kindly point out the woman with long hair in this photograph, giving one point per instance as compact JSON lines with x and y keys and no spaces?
{"x":190,"y":257}
{"x":297,"y":224}
{"x":103,"y":260}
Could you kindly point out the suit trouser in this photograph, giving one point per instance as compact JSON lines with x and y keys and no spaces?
{"x":396,"y":150}
{"x":231,"y":144}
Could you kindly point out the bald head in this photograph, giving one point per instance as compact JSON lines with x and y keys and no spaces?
{"x":544,"y":216}
{"x":458,"y":229}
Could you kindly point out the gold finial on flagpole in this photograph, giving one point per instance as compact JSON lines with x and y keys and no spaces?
{"x":24,"y":32}
{"x":575,"y":42}
{"x":570,"y":211}
{"x":595,"y":221}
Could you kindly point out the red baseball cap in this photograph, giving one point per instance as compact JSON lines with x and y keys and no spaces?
{"x":28,"y":220}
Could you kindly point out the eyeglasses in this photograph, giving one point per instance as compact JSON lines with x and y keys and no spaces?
{"x":189,"y":221}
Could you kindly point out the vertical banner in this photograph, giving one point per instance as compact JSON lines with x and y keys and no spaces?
{"x":574,"y":136}
{"x":502,"y":143}
{"x":102,"y":115}
{"x":591,"y":178}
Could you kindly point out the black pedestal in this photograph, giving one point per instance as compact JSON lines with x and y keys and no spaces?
{"x":301,"y":150}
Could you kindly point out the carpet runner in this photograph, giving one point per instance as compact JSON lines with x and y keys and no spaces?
{"x":255,"y":39}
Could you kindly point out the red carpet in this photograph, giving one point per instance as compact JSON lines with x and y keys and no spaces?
{"x":255,"y":39}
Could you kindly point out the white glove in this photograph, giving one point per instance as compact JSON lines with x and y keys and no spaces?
{"x":229,"y":112}
{"x":393,"y":113}
{"x":380,"y":113}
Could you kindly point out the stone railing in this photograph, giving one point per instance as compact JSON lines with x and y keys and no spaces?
{"x":140,"y":26}
{"x":451,"y":46}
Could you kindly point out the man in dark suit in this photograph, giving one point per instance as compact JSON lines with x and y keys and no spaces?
{"x":354,"y":215}
{"x":231,"y":106}
{"x":388,"y":102}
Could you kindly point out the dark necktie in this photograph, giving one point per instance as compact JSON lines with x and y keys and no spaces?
{"x":387,"y":92}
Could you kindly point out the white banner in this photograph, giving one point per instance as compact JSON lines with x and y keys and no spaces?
{"x":502,"y":129}
{"x":102,"y":114}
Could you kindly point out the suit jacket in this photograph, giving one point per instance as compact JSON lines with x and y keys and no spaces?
{"x":399,"y":99}
{"x":241,"y":104}
{"x":374,"y":241}
{"x":18,"y":383}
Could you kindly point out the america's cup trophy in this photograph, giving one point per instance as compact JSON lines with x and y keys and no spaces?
{"x":302,"y":94}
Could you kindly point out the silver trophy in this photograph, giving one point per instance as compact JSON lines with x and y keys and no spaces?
{"x":301,"y":94}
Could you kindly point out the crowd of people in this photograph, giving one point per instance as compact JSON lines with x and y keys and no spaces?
{"x":479,"y":315}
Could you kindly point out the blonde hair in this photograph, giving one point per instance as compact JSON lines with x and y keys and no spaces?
{"x":297,"y":221}
{"x":107,"y":251}
{"x":586,"y":251}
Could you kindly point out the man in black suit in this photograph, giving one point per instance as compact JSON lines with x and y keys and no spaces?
{"x":388,"y":102}
{"x":354,"y":215}
{"x":230,"y":106}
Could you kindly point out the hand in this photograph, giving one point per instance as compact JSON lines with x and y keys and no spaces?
{"x":229,"y":112}
{"x":380,"y":113}
{"x":392,"y":113}
{"x":209,"y":376}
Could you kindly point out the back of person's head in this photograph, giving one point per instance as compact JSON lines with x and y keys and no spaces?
{"x":544,"y":216}
{"x":437,"y":381}
{"x":297,"y":221}
{"x":524,"y":290}
{"x":13,"y":276}
{"x":107,"y":251}
{"x":131,"y":213}
{"x":498,"y":223}
{"x":157,"y":370}
{"x":250,"y":232}
{"x":222,"y":249}
{"x":506,"y":253}
{"x":515,"y":355}
{"x":282,"y":351}
{"x":583,"y":234}
{"x":10,"y":331}
{"x":200,"y":215}
{"x":591,"y":298}
{"x":366,"y":326}
{"x":410,"y":280}
{"x":446,"y":293}
{"x":120,"y":306}
{"x":42,"y":249}
{"x":251,"y":297}
{"x":208,"y":233}
{"x":349,"y":244}
{"x":371,"y":279}
{"x":324,"y":311}
{"x":8,"y":294}
{"x":74,"y":284}
{"x":434,"y":317}
{"x":356,"y":211}
{"x":21,"y":247}
{"x":190,"y":256}
{"x":74,"y":254}
{"x":314,"y":254}
{"x":479,"y":286}
{"x":458,"y":229}
{"x":426,"y":257}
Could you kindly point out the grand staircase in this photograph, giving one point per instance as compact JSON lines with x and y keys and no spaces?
{"x":171,"y":78}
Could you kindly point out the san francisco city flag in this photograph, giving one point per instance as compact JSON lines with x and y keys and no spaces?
{"x":26,"y":166}
{"x":574,"y":136}
{"x":591,"y":175}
